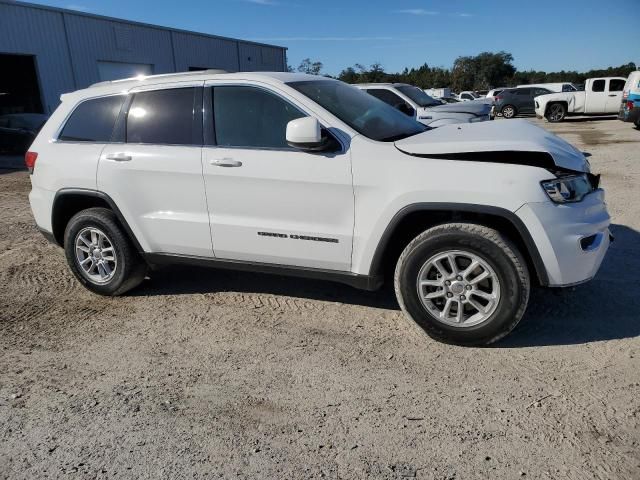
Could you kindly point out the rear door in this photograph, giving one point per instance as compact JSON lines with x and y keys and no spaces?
{"x":524,"y":100}
{"x":597,"y":95}
{"x":614,"y":95}
{"x":270,"y":203}
{"x":155,"y":174}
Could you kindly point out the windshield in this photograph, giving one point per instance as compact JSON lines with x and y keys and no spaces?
{"x":417,"y":95}
{"x":363,"y":112}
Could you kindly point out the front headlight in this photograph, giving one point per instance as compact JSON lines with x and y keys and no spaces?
{"x":567,"y":189}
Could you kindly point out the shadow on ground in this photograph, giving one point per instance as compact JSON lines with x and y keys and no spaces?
{"x":603,"y":309}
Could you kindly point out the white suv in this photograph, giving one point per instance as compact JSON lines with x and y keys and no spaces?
{"x":415,"y":103}
{"x":295,"y":174}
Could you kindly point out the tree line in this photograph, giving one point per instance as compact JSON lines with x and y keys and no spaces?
{"x":480,"y":72}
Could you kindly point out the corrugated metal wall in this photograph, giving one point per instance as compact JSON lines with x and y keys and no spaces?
{"x":69,"y":45}
{"x":37,"y":32}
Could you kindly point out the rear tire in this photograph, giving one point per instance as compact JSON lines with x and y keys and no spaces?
{"x":509,"y":111}
{"x":100,"y":254}
{"x":505,"y":282}
{"x":556,"y":112}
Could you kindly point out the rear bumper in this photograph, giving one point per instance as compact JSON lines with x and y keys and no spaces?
{"x":572,"y":239}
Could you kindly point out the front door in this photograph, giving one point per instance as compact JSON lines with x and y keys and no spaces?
{"x":155,"y":175}
{"x":270,"y":203}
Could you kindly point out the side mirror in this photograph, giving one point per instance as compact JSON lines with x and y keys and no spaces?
{"x":306,"y":134}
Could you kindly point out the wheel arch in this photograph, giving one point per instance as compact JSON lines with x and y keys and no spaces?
{"x":416,"y":218}
{"x":69,"y":201}
{"x":553,"y":102}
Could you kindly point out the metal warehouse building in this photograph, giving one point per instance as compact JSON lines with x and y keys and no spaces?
{"x":47,"y":51}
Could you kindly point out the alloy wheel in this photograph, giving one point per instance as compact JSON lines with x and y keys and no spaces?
{"x":458,"y":288}
{"x":95,"y":255}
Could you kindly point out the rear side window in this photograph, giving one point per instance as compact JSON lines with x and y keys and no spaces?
{"x":523,"y":91}
{"x":162,"y":117}
{"x":251,"y":117}
{"x":598,"y":86}
{"x":616,"y":85}
{"x":93,"y":120}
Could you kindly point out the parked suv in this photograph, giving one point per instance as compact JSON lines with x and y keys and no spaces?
{"x":295,"y":174}
{"x":518,"y":101}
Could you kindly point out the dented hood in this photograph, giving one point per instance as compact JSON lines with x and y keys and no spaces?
{"x":503,"y":141}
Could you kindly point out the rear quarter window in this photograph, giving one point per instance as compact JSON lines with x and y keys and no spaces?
{"x":93,"y":120}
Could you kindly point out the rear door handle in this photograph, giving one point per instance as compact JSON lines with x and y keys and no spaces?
{"x":613,"y":95}
{"x":118,"y":157}
{"x":226,"y":162}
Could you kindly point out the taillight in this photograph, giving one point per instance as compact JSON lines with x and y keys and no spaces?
{"x":499,"y":97}
{"x":30,"y":160}
{"x":629,"y":105}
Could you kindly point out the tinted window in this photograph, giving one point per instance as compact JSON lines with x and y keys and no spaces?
{"x":598,"y":86}
{"x":467,"y":96}
{"x":251,"y":117}
{"x":387,"y":96}
{"x":93,"y":120}
{"x":540,"y":91}
{"x":417,"y":95}
{"x":523,"y":91}
{"x":567,"y":87}
{"x":364,"y":113}
{"x":616,"y":85}
{"x":162,"y":117}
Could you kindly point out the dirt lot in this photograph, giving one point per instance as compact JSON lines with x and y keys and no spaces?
{"x":215,"y":374}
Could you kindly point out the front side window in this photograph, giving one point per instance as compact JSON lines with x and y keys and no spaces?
{"x":418,"y":96}
{"x":598,"y":85}
{"x":616,"y":85}
{"x":387,"y":96}
{"x":363,"y":112}
{"x":251,"y":117}
{"x":163,"y":117}
{"x":93,"y":120}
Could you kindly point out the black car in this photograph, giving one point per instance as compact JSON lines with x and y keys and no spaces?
{"x":18,"y":130}
{"x":518,"y":101}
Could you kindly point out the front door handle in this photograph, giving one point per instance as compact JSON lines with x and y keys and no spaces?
{"x":226,"y":162}
{"x":613,"y":95}
{"x":118,"y":157}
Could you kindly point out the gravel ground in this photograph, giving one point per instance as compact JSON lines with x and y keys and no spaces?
{"x":217,"y":374}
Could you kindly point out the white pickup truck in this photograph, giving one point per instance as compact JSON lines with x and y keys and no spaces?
{"x":601,"y":96}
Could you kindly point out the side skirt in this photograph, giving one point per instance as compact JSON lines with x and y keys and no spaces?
{"x":362,"y":282}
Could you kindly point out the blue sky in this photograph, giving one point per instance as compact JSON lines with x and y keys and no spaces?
{"x":541,"y":34}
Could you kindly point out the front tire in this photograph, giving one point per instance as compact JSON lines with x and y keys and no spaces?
{"x":100,"y":254}
{"x":509,"y":111}
{"x":556,"y":112}
{"x":462,"y":283}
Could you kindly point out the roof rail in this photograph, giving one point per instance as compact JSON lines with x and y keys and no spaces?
{"x":210,"y":71}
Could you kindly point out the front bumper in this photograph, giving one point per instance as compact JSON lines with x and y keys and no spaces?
{"x":572,"y":239}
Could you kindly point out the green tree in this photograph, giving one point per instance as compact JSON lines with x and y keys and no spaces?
{"x":309,"y":67}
